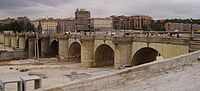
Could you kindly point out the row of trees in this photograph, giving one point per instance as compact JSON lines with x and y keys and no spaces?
{"x":17,"y":26}
{"x":160,"y":25}
{"x":191,"y":21}
{"x":155,"y":26}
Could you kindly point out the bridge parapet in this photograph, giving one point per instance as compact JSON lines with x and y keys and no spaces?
{"x":98,"y":37}
{"x":54,"y":35}
{"x":31,"y":35}
{"x":122,"y":40}
{"x":87,"y":38}
{"x":7,"y":34}
{"x":63,"y":37}
{"x":74,"y":36}
{"x":171,"y":40}
{"x":103,"y":37}
{"x":21,"y":35}
{"x":43,"y":37}
{"x":12,"y":34}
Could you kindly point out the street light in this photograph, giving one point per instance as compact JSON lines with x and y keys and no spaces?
{"x":192,"y":32}
{"x":4,"y":42}
{"x":123,"y":24}
{"x":117,"y":26}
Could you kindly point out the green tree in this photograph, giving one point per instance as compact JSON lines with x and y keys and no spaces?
{"x":191,"y":21}
{"x":145,"y":28}
{"x":158,"y":26}
{"x":17,"y":26}
{"x":29,"y":27}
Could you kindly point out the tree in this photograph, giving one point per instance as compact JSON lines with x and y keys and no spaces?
{"x":17,"y":26}
{"x":158,"y":26}
{"x":145,"y":28}
{"x":191,"y":21}
{"x":30,"y":27}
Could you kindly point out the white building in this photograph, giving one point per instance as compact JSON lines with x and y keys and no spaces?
{"x":101,"y":23}
{"x":49,"y":24}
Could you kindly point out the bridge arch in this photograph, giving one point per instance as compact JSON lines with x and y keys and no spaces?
{"x":145,"y":55}
{"x":53,"y":52}
{"x":104,"y":56}
{"x":71,"y":41}
{"x":52,"y":39}
{"x":75,"y":51}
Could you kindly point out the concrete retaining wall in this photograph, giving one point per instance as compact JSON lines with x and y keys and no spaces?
{"x":10,"y":55}
{"x":121,"y":76}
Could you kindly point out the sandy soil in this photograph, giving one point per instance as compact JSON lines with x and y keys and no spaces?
{"x":55,"y":73}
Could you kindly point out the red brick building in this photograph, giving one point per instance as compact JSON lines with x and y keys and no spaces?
{"x":121,"y":22}
{"x":181,"y":26}
{"x":66,"y":25}
{"x":140,"y":22}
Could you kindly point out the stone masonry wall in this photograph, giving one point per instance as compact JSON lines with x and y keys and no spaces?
{"x":10,"y":55}
{"x":121,"y":76}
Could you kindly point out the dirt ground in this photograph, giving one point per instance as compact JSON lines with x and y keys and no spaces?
{"x":56,"y":72}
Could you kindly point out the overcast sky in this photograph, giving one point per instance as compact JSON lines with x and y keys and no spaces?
{"x":158,"y":9}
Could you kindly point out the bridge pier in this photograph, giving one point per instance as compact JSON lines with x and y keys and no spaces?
{"x":123,"y":52}
{"x":1,"y":38}
{"x":44,"y":47}
{"x":22,"y":41}
{"x":7,"y":40}
{"x":63,"y":48}
{"x":13,"y":38}
{"x":87,"y":52}
{"x":31,"y":47}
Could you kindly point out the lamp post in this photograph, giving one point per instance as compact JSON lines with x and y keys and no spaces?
{"x":4,"y":42}
{"x":117,"y":26}
{"x":123,"y":24}
{"x":36,"y":40}
{"x":191,"y":30}
{"x":37,"y":46}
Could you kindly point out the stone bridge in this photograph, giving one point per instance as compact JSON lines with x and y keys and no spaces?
{"x":101,"y":50}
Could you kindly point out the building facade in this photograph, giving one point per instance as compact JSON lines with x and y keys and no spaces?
{"x":98,"y":24}
{"x":48,"y":24}
{"x":66,"y":25}
{"x":82,"y":18}
{"x":181,"y":26}
{"x":121,"y":22}
{"x":35,"y":23}
{"x":7,"y":21}
{"x":140,"y":22}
